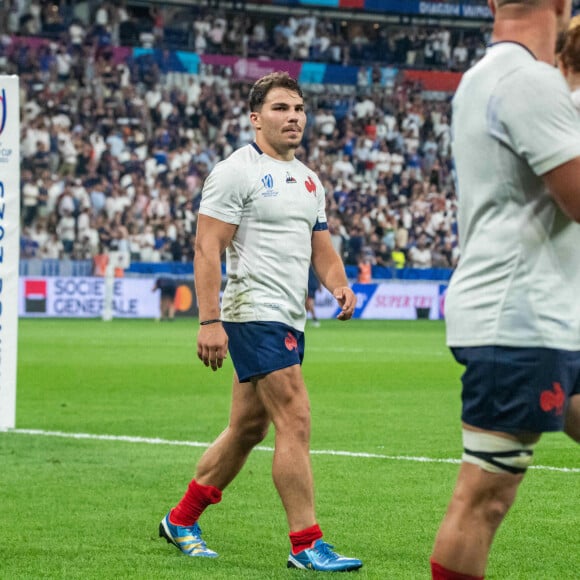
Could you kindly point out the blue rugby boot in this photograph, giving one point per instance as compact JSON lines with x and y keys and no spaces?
{"x":322,"y":559}
{"x":187,"y":538}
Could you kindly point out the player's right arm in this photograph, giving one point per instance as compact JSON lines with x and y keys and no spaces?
{"x":212,"y":238}
{"x":563,"y":182}
{"x":537,"y":96}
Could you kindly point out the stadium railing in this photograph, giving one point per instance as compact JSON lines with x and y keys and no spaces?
{"x":40,"y":267}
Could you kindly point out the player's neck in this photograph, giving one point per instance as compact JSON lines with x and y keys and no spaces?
{"x":536,"y":30}
{"x":285,"y":154}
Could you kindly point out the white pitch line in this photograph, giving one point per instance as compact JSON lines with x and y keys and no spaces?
{"x":159,"y":441}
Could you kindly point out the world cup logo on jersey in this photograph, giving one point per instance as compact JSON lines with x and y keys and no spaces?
{"x":268,"y":183}
{"x":2,"y":110}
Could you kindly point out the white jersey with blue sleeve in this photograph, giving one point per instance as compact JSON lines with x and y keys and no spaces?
{"x":276,"y":205}
{"x":518,"y":278}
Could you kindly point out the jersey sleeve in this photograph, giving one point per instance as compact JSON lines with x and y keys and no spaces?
{"x":321,"y":219}
{"x":532,"y":112}
{"x":222,"y":196}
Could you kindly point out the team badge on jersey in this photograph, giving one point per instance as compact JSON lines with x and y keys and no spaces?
{"x":268,"y":183}
{"x":310,"y":186}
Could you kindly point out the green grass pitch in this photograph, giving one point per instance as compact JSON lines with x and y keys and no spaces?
{"x":386,"y":394}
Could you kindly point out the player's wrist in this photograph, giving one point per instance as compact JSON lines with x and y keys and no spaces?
{"x":209,"y":321}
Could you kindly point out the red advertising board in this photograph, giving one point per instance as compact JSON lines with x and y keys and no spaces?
{"x":445,"y":82}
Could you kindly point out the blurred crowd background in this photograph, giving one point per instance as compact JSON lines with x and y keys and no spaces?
{"x":115,"y":150}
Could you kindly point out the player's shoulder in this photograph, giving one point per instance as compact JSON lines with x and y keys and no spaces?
{"x":510,"y":63}
{"x":519,"y":67}
{"x":239,"y":165}
{"x":304,"y":169}
{"x":536,"y":74}
{"x":243,"y":156}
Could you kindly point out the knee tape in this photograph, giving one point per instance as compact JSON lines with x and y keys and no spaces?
{"x":496,"y":454}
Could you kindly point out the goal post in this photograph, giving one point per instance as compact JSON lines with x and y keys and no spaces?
{"x":9,"y":245}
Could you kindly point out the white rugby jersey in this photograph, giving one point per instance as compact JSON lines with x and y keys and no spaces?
{"x":518,"y":278}
{"x":276,"y":206}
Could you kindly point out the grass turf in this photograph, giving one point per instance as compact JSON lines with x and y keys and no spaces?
{"x":88,"y":508}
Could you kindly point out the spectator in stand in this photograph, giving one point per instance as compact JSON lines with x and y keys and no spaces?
{"x":420,"y":255}
{"x":364,"y":269}
{"x":29,"y":247}
{"x":383,"y":256}
{"x":52,"y":248}
{"x":401,"y":237}
{"x":343,"y":168}
{"x":66,"y":230}
{"x":356,"y":242}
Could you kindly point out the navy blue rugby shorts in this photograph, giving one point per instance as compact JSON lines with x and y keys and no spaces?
{"x":517,"y":389}
{"x":259,"y":348}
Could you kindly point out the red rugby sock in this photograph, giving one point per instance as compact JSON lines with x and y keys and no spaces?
{"x":305,"y":539}
{"x":196,"y":499}
{"x":438,"y":572}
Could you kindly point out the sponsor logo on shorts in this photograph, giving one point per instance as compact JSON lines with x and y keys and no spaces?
{"x":553,"y":401}
{"x":291,"y":342}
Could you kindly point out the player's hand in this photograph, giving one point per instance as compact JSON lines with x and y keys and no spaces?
{"x":212,"y":345}
{"x":346,"y":300}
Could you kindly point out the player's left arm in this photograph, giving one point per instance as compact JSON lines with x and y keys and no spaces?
{"x":331,"y":273}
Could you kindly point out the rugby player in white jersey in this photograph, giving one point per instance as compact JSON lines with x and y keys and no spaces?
{"x":266,"y":210}
{"x":513,"y":305}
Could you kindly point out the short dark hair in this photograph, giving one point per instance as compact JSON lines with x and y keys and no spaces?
{"x":268,"y":82}
{"x":570,"y":51}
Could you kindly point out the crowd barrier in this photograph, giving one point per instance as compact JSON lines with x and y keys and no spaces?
{"x":38,"y":267}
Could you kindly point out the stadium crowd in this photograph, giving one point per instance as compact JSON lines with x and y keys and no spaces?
{"x":114,"y":154}
{"x":250,"y":34}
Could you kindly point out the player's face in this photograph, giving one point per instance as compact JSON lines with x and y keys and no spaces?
{"x":280,"y":123}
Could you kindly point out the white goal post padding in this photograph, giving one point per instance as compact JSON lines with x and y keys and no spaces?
{"x":9,"y":245}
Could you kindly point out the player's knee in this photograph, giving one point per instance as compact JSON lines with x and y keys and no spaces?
{"x":496,"y":454}
{"x":292,"y":416}
{"x":251,"y":434}
{"x":496,"y":508}
{"x":487,"y":509}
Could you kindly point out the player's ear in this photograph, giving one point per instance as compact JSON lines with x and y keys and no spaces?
{"x":562,"y":6}
{"x":255,"y":119}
